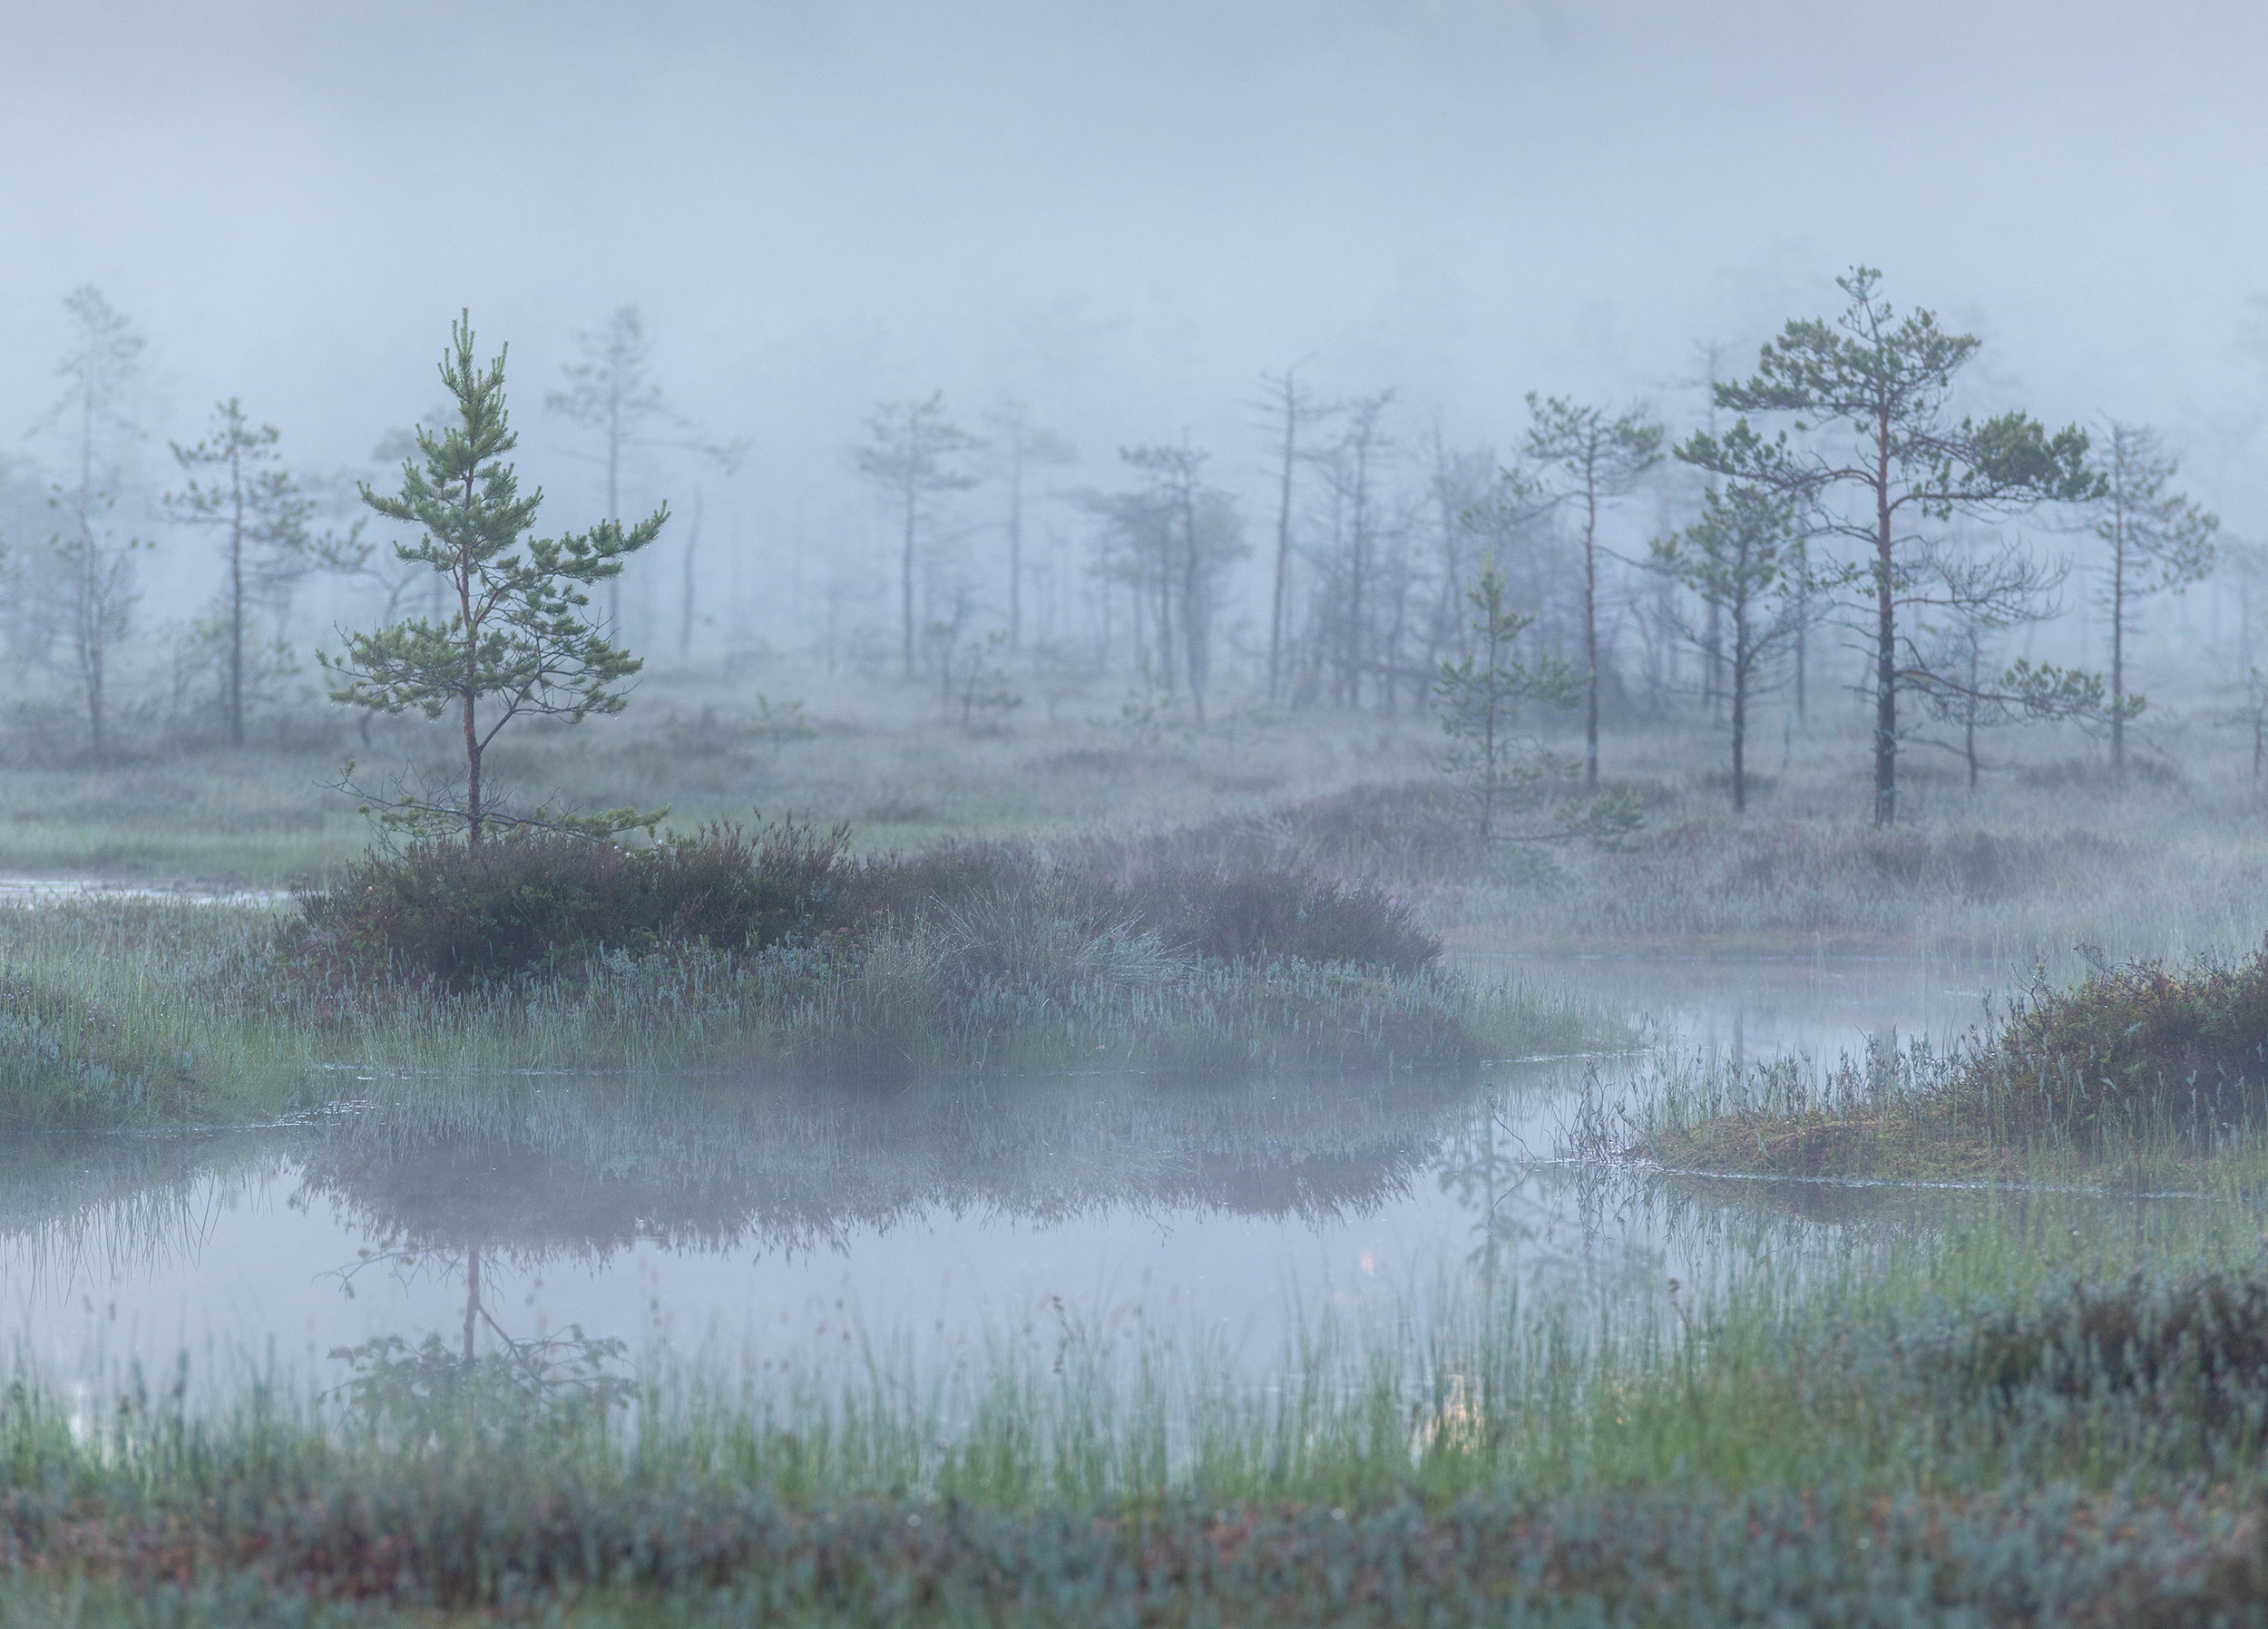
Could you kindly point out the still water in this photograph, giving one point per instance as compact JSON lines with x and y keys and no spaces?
{"x":800,"y":1225}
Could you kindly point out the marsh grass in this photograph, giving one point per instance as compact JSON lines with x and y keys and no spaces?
{"x":2135,"y":1074}
{"x":1967,"y":1422}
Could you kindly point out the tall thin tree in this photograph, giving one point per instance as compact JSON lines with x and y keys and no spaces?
{"x":1743,"y":559}
{"x":911,"y":454}
{"x":1582,"y":459}
{"x":97,"y":569}
{"x":1197,"y":531}
{"x":1290,"y":408}
{"x":235,"y":486}
{"x":613,"y":393}
{"x":1021,"y":446}
{"x":1353,"y":469}
{"x":2158,"y":540}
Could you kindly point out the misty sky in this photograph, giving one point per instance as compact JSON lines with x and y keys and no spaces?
{"x":1123,"y":212}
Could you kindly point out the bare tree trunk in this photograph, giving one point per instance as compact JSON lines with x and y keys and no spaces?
{"x":472,"y":689}
{"x":685,"y":619}
{"x":1193,"y":608}
{"x":2118,"y":639}
{"x":472,"y":775}
{"x":1283,"y":536}
{"x":1590,"y":635}
{"x":1885,"y":638}
{"x":905,"y":581}
{"x":1969,"y":712}
{"x":1743,"y":658}
{"x":1164,"y":609}
{"x":1015,"y":543}
{"x":90,"y":629}
{"x":236,"y":603}
{"x":613,"y":506}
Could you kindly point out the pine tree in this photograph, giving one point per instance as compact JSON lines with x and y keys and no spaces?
{"x":912,"y":456}
{"x":1581,"y":458}
{"x":2158,"y":540}
{"x":261,"y":516}
{"x":519,"y":641}
{"x":1479,"y":697}
{"x":1873,"y":392}
{"x":1743,"y":559}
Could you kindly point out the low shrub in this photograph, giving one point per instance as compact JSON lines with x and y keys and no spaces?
{"x":2133,"y":1063}
{"x":1272,"y":912}
{"x":526,"y":900}
{"x":2135,"y":1042}
{"x":2136,"y":1335}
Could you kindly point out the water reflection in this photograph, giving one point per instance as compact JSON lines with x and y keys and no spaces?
{"x":699,"y":1208}
{"x":794,"y":1221}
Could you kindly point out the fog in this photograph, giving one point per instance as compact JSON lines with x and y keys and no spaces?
{"x":956,"y":996}
{"x":1120,"y":216}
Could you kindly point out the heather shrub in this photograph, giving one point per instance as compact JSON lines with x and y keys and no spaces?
{"x":2198,"y":1342}
{"x":908,"y":888}
{"x":1226,"y":912}
{"x":1269,"y":913}
{"x":2135,"y":1043}
{"x":526,"y":900}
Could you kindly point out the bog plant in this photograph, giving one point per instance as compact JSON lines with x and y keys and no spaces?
{"x":530,"y":899}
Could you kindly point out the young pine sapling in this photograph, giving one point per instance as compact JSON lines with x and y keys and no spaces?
{"x":1500,"y":770}
{"x":518,"y":641}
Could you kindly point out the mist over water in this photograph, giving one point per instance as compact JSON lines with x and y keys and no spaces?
{"x":828,"y":1230}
